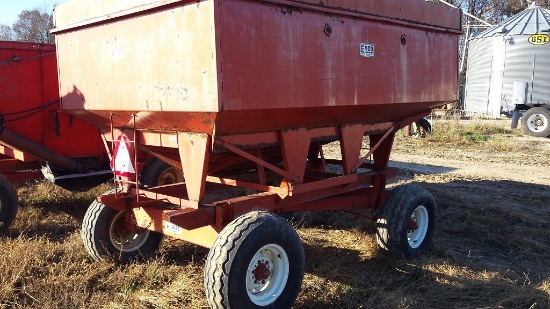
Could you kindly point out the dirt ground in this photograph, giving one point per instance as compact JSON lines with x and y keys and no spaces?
{"x":491,"y":248}
{"x":528,"y":164}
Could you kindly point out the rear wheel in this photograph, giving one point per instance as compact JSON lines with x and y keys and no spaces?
{"x":159,"y":173}
{"x":423,"y":128}
{"x":257,"y":261}
{"x":407,"y":223}
{"x":107,"y":235}
{"x":8,"y":203}
{"x":536,"y":122}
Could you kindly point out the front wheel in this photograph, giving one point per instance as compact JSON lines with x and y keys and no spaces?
{"x":407,"y":222}
{"x":8,"y":203}
{"x":536,"y":122}
{"x":257,"y":261}
{"x":107,"y":235}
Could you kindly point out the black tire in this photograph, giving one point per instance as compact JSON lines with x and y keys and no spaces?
{"x":156,"y":172}
{"x":515,"y":119}
{"x":423,"y":127}
{"x":536,"y":122}
{"x":106,"y":238}
{"x":8,"y":203}
{"x":257,"y":250}
{"x":407,"y":222}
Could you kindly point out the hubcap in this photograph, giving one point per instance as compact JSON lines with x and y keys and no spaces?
{"x":417,"y":227}
{"x":123,"y":239}
{"x":267,"y":274}
{"x":537,"y":123}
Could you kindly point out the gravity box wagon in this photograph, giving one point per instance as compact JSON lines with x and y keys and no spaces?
{"x":244,"y":94}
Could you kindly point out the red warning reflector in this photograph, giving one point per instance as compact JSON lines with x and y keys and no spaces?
{"x":122,"y":164}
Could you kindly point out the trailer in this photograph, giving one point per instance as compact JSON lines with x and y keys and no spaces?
{"x":244,"y":94}
{"x":35,"y":135}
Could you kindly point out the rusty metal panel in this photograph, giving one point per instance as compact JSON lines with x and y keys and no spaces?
{"x":279,"y":58}
{"x":426,"y":13}
{"x":78,"y":12}
{"x":163,"y":60}
{"x":240,"y":66}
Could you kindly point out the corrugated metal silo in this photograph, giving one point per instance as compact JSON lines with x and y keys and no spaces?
{"x":509,"y":65}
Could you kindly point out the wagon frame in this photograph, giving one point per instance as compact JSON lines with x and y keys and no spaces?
{"x":300,"y":188}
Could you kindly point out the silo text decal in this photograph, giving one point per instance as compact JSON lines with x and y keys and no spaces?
{"x":539,"y":39}
{"x":366,"y":50}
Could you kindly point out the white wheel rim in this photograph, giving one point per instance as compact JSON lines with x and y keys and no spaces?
{"x":125,"y":242}
{"x":418,"y":226}
{"x":537,"y":123}
{"x":267,"y":274}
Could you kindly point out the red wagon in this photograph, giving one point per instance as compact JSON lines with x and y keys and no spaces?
{"x":34,"y":134}
{"x":245,"y":93}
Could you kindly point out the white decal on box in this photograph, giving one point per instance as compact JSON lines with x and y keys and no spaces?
{"x":172,"y":228}
{"x":117,"y":52}
{"x":366,"y":50}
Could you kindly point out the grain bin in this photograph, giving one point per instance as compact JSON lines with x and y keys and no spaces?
{"x":509,"y":70}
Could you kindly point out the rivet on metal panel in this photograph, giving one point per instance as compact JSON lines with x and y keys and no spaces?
{"x":403,"y":40}
{"x":327,"y":30}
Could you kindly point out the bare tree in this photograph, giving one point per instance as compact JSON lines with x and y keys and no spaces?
{"x":33,"y":26}
{"x":495,"y":11}
{"x":6,"y":34}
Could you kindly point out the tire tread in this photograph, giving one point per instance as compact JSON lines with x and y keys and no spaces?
{"x":395,"y":210}
{"x":9,"y":205}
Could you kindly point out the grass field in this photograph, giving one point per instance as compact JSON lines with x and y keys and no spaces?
{"x":491,"y":250}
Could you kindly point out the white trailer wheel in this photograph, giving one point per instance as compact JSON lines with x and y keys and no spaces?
{"x":267,"y":274}
{"x":406,"y":224}
{"x":536,"y":122}
{"x":418,"y":226}
{"x":123,"y":240}
{"x":257,"y":261}
{"x":107,"y":237}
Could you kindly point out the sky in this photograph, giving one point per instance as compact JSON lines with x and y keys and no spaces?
{"x":10,"y":9}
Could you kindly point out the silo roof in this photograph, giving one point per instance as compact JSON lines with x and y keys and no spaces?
{"x":535,"y":19}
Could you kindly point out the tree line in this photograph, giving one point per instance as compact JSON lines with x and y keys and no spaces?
{"x":494,"y":11}
{"x":31,"y":26}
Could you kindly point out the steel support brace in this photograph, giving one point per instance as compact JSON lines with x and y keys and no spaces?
{"x":194,"y":150}
{"x":383,"y":145}
{"x":244,"y":184}
{"x":156,"y":219}
{"x":351,"y":139}
{"x":254,"y":159}
{"x":295,"y":148}
{"x":333,"y":203}
{"x":374,"y":146}
{"x":13,"y":165}
{"x":17,"y":154}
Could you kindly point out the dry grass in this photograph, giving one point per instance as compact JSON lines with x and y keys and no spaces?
{"x":491,"y":250}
